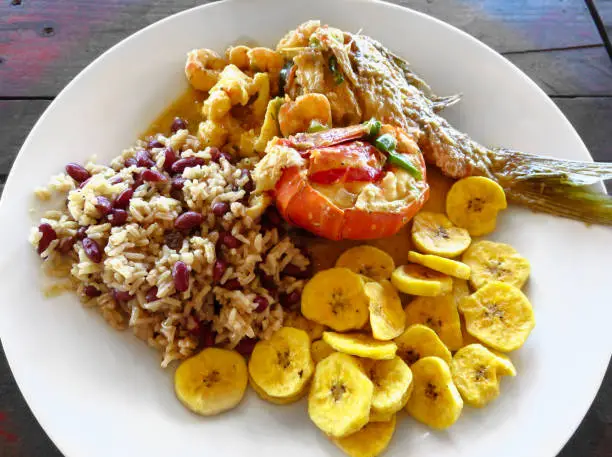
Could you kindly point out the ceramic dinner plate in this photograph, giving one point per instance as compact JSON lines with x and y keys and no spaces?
{"x":100,"y":393}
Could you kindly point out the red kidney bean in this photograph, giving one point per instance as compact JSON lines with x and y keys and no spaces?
{"x":92,"y":291}
{"x":187,"y":162}
{"x":262,"y":304}
{"x":155,"y":144}
{"x":81,"y":232}
{"x":219,"y":269}
{"x":77,"y":172}
{"x":188,"y":220}
{"x":178,"y":183}
{"x":117,"y":217}
{"x":115,"y":180}
{"x":143,"y":159}
{"x":296,"y":272}
{"x":232,"y":284}
{"x":65,"y":244}
{"x":169,"y":158}
{"x":153,"y":176}
{"x":174,"y":240}
{"x":207,"y":336}
{"x":151,"y":294}
{"x":288,"y":300}
{"x":267,"y":281}
{"x":176,"y":194}
{"x":92,"y":249}
{"x":48,"y":235}
{"x":180,"y":274}
{"x":122,"y":295}
{"x":84,"y":183}
{"x":123,"y":199}
{"x":137,"y":180}
{"x":229,"y":240}
{"x":216,"y":154}
{"x":220,"y":208}
{"x":103,"y":205}
{"x":129,"y":162}
{"x":249,"y":185}
{"x":246,"y":345}
{"x":178,"y":124}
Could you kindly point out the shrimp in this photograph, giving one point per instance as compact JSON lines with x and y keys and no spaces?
{"x":387,"y":89}
{"x":267,"y":61}
{"x":237,"y":55}
{"x":203,"y":68}
{"x":296,"y":116}
{"x":298,"y":37}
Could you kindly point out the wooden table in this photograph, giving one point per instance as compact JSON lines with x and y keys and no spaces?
{"x":45,"y":43}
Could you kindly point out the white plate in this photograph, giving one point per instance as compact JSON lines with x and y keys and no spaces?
{"x":100,"y":393}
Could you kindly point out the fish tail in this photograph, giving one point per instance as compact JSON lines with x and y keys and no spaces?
{"x":564,"y":200}
{"x":515,"y":166}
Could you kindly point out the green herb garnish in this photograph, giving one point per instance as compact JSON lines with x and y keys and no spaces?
{"x":400,"y":161}
{"x":386,"y":143}
{"x":333,"y":66}
{"x":374,"y":126}
{"x":316,"y":126}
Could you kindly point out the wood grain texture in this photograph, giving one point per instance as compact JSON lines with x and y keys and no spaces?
{"x":45,"y":43}
{"x":591,"y":117}
{"x":17,"y":117}
{"x":586,"y":72}
{"x":604,"y":8}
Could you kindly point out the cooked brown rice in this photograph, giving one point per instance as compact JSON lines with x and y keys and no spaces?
{"x":141,"y":253}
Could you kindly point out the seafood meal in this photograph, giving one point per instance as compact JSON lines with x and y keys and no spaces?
{"x":304,"y":221}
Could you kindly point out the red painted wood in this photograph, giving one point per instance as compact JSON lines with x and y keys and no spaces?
{"x":45,"y":43}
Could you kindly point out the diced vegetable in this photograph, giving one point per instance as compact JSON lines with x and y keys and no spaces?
{"x":284,"y":76}
{"x":316,"y":126}
{"x":386,"y":143}
{"x":402,"y":162}
{"x":374,"y":126}
{"x":333,"y":66}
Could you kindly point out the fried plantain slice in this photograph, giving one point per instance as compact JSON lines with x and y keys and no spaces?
{"x":367,"y":260}
{"x":387,"y":318}
{"x":336,"y":298}
{"x":492,"y":261}
{"x":340,"y":396}
{"x":499,"y":315}
{"x":211,"y":382}
{"x":418,"y":280}
{"x":440,"y":314}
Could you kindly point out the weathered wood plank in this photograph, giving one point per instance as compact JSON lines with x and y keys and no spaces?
{"x":591,"y":117}
{"x":511,"y":25}
{"x":17,"y":117}
{"x":568,"y":72}
{"x":44,"y":44}
{"x":604,"y":8}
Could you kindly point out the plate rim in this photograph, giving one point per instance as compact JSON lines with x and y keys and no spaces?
{"x":585,"y":153}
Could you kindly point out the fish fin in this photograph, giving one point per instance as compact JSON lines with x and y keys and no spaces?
{"x":565,"y":200}
{"x":514,"y":166}
{"x":441,"y":103}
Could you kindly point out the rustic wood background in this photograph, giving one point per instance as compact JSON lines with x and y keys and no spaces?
{"x":561,"y":44}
